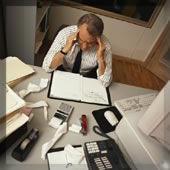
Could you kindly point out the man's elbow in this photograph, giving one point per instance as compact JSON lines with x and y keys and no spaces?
{"x":106,"y":83}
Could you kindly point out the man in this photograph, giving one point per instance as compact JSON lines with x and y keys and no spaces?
{"x":85,"y":38}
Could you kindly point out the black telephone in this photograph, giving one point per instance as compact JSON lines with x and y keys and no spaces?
{"x":104,"y":154}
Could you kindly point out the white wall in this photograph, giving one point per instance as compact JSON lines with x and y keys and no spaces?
{"x":128,"y":40}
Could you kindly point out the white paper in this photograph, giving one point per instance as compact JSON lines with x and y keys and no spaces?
{"x":12,"y":124}
{"x":75,"y":128}
{"x":156,"y":120}
{"x":16,"y":69}
{"x":93,"y":91}
{"x":47,"y":146}
{"x":55,"y":122}
{"x":33,"y":88}
{"x":73,"y":155}
{"x":13,"y":101}
{"x":66,"y":85}
{"x":40,"y":104}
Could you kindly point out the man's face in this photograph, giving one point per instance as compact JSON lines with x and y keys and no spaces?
{"x":85,"y":40}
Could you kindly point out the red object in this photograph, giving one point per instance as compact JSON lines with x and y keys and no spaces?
{"x":84,"y":124}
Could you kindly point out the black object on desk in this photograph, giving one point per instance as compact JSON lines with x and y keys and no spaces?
{"x":23,"y":149}
{"x":105,"y":154}
{"x":12,"y":138}
{"x":101,"y":120}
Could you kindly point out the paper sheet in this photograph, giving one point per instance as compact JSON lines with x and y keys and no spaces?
{"x":12,"y":124}
{"x":13,"y":101}
{"x":39,"y":104}
{"x":93,"y":91}
{"x":33,"y":88}
{"x":47,"y":146}
{"x":59,"y":82}
{"x":16,"y":69}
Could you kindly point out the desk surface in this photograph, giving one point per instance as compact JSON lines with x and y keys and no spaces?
{"x":117,"y":91}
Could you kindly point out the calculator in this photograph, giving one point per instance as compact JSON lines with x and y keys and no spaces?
{"x":65,"y":108}
{"x":104,"y":155}
{"x":61,"y":115}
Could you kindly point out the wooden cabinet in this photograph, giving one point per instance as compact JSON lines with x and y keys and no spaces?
{"x":42,"y":26}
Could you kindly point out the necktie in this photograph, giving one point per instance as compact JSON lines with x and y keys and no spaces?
{"x":77,"y":63}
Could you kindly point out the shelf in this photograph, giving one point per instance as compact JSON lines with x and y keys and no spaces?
{"x":39,"y":39}
{"x":41,"y":13}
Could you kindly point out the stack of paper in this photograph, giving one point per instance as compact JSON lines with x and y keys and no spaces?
{"x":16,"y":70}
{"x":12,"y":102}
{"x":11,"y":125}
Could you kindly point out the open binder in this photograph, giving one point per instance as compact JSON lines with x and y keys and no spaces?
{"x":75,"y":87}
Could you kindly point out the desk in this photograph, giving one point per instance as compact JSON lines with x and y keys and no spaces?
{"x":34,"y":161}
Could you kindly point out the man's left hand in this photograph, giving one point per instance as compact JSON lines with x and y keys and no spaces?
{"x":100,"y":50}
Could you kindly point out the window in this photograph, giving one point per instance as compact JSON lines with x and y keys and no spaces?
{"x":141,"y":12}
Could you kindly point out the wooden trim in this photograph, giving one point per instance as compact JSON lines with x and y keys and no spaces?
{"x":154,"y":64}
{"x":41,"y":12}
{"x":115,"y":15}
{"x":126,"y":59}
{"x":156,"y":12}
{"x":157,"y":44}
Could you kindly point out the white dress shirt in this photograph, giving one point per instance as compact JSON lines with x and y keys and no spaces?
{"x":89,"y":58}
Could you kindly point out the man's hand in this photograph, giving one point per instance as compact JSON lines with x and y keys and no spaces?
{"x":100,"y":50}
{"x":100,"y":56}
{"x":70,"y":41}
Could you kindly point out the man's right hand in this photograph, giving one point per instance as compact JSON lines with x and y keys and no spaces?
{"x":70,"y":41}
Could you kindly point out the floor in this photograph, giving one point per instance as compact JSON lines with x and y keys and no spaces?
{"x":135,"y":74}
{"x":123,"y":72}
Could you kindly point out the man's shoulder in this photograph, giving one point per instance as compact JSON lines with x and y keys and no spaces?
{"x":106,"y":41}
{"x":69,"y":30}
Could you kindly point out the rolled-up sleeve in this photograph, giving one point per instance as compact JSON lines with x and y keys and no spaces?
{"x":56,"y":46}
{"x":106,"y":78}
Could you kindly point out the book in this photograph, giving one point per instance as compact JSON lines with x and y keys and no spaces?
{"x":75,"y":87}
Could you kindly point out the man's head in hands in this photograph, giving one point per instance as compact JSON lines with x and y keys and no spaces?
{"x":90,"y":27}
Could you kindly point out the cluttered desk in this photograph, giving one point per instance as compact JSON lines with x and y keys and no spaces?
{"x":52,"y":139}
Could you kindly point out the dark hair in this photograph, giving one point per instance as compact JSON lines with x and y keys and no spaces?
{"x":95,"y":24}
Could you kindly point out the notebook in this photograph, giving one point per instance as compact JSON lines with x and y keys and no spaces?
{"x":75,"y":87}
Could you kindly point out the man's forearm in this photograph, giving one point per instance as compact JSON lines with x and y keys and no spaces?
{"x":101,"y":66}
{"x":57,"y":60}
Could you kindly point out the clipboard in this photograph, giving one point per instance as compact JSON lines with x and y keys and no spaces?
{"x":80,"y":101}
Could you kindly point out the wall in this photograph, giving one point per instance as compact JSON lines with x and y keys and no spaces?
{"x":2,"y":37}
{"x":20,"y":30}
{"x":128,"y":40}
